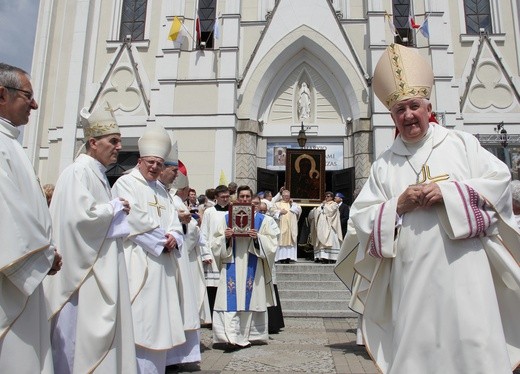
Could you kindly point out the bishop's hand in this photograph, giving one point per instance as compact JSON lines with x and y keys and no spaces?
{"x":431,"y":194}
{"x":56,"y":264}
{"x":126,"y":205}
{"x":410,"y":199}
{"x":170,"y":244}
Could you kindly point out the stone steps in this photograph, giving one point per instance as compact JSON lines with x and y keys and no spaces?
{"x":308,"y":289}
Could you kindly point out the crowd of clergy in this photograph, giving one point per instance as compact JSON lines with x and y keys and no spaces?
{"x":120,"y":279}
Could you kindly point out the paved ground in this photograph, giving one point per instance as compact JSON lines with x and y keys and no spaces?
{"x":305,"y":345}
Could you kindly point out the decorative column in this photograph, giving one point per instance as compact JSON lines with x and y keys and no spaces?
{"x":363,"y":147}
{"x":245,"y":172}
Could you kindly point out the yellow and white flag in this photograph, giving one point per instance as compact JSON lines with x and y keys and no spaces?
{"x":176,"y":29}
{"x":222,"y":180}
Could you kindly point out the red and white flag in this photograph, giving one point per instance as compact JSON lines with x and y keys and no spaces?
{"x":197,"y":29}
{"x":411,"y":21}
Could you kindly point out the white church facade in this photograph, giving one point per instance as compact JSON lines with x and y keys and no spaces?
{"x":237,"y":94}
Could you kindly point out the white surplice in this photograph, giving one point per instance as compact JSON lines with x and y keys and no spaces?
{"x":245,"y":289}
{"x":94,"y":332}
{"x":444,"y":289}
{"x":152,"y":273}
{"x":210,"y":222}
{"x":26,"y":258}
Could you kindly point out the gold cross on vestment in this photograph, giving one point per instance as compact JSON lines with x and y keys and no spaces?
{"x":157,"y":205}
{"x":425,"y":175}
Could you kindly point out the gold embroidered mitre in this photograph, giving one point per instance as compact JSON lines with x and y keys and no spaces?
{"x":98,"y":123}
{"x":401,"y":74}
{"x":154,"y":142}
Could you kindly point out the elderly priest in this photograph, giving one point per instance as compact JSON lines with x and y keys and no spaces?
{"x":88,"y":299}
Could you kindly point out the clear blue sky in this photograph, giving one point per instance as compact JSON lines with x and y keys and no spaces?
{"x":17,"y":31}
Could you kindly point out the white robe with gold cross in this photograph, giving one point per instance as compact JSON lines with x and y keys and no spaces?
{"x":444,"y":283}
{"x":152,"y":274}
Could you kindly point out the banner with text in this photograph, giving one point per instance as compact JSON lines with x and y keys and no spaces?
{"x":276,"y":154}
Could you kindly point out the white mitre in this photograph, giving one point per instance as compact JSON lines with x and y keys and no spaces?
{"x":173,"y":157}
{"x":400,"y":74}
{"x":181,"y":181}
{"x":154,"y":142}
{"x":100,"y":122}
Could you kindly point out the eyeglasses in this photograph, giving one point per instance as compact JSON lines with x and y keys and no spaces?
{"x":150,"y":162}
{"x":28,"y":94}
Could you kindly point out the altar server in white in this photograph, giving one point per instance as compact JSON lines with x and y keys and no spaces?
{"x":211,"y":256}
{"x":155,"y":233}
{"x":28,"y":253}
{"x":438,"y":241}
{"x":245,"y":289}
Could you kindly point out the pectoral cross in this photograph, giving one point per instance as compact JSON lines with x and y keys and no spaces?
{"x":424,"y":175}
{"x":156,"y":205}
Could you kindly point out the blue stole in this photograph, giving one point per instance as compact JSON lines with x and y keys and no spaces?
{"x":252,"y":260}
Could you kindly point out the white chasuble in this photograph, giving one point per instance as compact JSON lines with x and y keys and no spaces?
{"x":93,"y":277}
{"x":245,"y":289}
{"x":328,"y":231}
{"x":445,"y":282}
{"x":156,"y":309}
{"x":288,"y":225}
{"x":25,"y":260}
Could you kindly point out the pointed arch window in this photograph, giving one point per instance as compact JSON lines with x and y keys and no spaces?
{"x":207,"y":16}
{"x":133,"y":19}
{"x":478,"y":16}
{"x":401,"y":14}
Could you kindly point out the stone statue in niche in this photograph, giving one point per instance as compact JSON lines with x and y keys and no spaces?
{"x":304,"y":102}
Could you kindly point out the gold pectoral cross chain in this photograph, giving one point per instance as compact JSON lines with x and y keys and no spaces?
{"x":424,"y":176}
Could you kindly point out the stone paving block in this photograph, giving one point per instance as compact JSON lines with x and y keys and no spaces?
{"x":305,"y":345}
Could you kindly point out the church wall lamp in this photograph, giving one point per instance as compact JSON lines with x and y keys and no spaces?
{"x":302,"y":137}
{"x":503,"y":134}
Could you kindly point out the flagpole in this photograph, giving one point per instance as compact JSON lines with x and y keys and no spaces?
{"x":191,"y":36}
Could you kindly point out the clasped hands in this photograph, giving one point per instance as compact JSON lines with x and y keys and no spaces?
{"x":126,"y":205}
{"x":170,"y":244}
{"x":56,"y":263}
{"x":419,"y":195}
